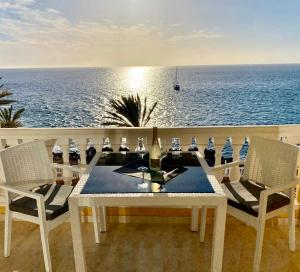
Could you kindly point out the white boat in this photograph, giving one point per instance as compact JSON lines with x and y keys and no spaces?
{"x":176,"y":85}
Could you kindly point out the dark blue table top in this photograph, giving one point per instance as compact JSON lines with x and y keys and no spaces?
{"x":105,"y":178}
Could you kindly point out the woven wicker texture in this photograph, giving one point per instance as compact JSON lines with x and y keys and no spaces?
{"x":271,"y":162}
{"x":26,"y":164}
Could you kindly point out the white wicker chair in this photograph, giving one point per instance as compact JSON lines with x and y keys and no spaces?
{"x":267,"y":187}
{"x":24,"y":167}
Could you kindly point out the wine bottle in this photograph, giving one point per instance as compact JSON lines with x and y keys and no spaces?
{"x":155,"y":152}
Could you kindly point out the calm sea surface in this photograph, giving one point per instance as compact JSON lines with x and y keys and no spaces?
{"x":210,"y":95}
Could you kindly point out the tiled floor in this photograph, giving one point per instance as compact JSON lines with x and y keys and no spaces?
{"x":149,"y":247}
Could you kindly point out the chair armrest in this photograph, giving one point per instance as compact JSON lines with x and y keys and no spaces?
{"x":37,"y":197}
{"x":68,"y":167}
{"x":263,"y":199}
{"x":227,"y":165}
{"x":22,"y":192}
{"x":280,"y":188}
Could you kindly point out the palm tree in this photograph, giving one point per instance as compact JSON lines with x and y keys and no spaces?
{"x":3,"y":94}
{"x":8,"y":119}
{"x":128,"y":112}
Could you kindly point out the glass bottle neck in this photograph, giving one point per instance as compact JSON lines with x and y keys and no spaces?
{"x":154,"y":137}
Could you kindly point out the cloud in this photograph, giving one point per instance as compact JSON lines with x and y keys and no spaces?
{"x":196,"y":34}
{"x":176,"y":25}
{"x":16,"y":4}
{"x":50,"y":10}
{"x":32,"y":36}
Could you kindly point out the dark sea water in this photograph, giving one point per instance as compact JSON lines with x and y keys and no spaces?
{"x":210,"y":95}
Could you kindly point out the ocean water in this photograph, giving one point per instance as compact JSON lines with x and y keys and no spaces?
{"x":210,"y":95}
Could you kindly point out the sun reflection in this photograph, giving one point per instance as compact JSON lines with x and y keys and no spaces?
{"x":136,"y":78}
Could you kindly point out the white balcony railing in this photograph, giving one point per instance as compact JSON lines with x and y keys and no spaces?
{"x":62,"y":136}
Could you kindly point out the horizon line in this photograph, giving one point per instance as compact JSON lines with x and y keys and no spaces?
{"x":127,"y":66}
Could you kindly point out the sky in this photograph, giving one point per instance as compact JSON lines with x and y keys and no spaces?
{"x":94,"y":33}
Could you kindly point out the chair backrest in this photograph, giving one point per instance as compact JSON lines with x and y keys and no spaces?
{"x":271,"y":162}
{"x":25,"y":162}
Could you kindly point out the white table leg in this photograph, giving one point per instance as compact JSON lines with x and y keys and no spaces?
{"x":77,"y":235}
{"x":95,"y":216}
{"x":291,"y":220}
{"x":218,"y":239}
{"x":102,"y":214}
{"x":203,"y":223}
{"x":45,"y":246}
{"x":7,"y":232}
{"x":194,"y":219}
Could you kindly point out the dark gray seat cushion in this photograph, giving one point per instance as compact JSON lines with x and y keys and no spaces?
{"x":56,"y":201}
{"x":244,"y":195}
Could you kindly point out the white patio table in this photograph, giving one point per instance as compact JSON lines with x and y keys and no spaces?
{"x":104,"y":184}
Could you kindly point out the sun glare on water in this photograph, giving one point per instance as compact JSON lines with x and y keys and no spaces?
{"x":136,"y":78}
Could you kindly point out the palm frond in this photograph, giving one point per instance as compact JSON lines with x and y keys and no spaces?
{"x":112,"y":123}
{"x":17,"y":114}
{"x":4,"y":94}
{"x":123,"y":110}
{"x":5,"y":114}
{"x":6,"y":101}
{"x":128,"y":112}
{"x":144,"y":110}
{"x":149,"y":113}
{"x":119,"y":118}
{"x":10,"y":120}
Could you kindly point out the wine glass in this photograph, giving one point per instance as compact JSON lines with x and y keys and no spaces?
{"x":144,"y":184}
